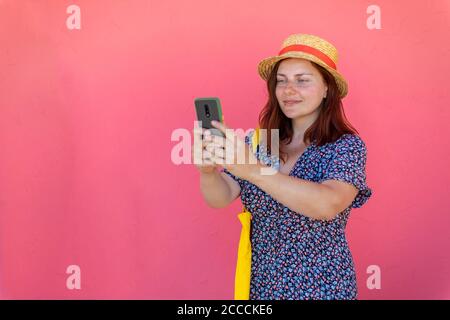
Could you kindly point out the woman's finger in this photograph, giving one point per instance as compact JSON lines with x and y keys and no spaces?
{"x":220,"y":140}
{"x":217,"y":160}
{"x":208,"y":162}
{"x":205,"y":144}
{"x":218,"y":151}
{"x":207,"y":154}
{"x":201,"y":133}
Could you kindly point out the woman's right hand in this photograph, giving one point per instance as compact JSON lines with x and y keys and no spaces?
{"x":205,"y":165}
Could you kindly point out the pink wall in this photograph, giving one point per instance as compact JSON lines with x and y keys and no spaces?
{"x":86,"y":117}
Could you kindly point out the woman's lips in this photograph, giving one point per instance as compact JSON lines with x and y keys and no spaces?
{"x":291,"y":102}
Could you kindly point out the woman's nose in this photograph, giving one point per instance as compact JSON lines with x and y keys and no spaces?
{"x":289,"y":88}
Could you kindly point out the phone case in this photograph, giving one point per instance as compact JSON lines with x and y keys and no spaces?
{"x":209,"y":109}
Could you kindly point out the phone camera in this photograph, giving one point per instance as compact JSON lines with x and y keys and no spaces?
{"x":207,"y":112}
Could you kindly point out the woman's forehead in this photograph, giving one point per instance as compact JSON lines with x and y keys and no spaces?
{"x":295,"y":66}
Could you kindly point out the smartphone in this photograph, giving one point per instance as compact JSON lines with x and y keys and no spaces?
{"x":209,"y":109}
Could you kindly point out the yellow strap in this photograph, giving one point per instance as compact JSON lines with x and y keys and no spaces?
{"x":244,"y":264}
{"x":244,"y":261}
{"x":255,"y":140}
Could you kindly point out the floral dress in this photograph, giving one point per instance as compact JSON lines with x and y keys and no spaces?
{"x":296,"y":257}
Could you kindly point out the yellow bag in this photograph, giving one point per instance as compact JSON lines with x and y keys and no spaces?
{"x":244,"y":260}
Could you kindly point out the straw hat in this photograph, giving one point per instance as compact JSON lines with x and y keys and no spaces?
{"x":311,"y":48}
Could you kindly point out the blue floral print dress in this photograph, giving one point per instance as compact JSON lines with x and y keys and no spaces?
{"x":295,"y":257}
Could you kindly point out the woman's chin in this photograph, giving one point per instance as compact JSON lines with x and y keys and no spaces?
{"x":291,"y":114}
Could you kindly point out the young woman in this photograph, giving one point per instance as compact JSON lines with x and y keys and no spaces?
{"x":299,"y":214}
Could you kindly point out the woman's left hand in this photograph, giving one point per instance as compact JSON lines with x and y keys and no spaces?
{"x":237,"y":157}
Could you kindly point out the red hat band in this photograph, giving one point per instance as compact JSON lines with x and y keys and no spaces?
{"x":307,"y":49}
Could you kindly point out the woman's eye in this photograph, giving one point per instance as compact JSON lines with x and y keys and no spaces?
{"x":300,"y":80}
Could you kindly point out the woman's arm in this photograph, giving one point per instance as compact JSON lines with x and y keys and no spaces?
{"x":217,"y":191}
{"x":321,"y":201}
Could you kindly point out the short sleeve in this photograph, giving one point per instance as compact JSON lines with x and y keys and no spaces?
{"x":248,"y":140}
{"x":348,"y":164}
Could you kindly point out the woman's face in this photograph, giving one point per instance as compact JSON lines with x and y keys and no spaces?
{"x":300,"y":88}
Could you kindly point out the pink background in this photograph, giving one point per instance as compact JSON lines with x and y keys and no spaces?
{"x":86,"y":118}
